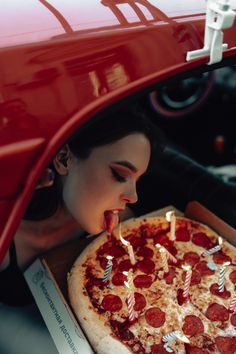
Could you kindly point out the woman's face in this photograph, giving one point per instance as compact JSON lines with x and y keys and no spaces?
{"x":99,"y":186}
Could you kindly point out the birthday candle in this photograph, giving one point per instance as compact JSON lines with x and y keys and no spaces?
{"x":173,"y":335}
{"x":182,"y":337}
{"x":168,"y":254}
{"x":130,"y":298}
{"x":107,"y":272}
{"x":129,"y":247}
{"x":221,"y":281}
{"x":214,"y":249}
{"x":164,"y":259}
{"x":130,"y":302}
{"x":170,"y":337}
{"x":187,"y":280}
{"x":170,"y":216}
{"x":129,"y":276}
{"x":167,"y":348}
{"x":232,"y":306}
{"x":211,"y":265}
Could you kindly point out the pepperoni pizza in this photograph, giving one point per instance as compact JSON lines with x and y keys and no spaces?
{"x":102,"y":305}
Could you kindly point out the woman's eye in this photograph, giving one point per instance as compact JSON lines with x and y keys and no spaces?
{"x":118,"y":176}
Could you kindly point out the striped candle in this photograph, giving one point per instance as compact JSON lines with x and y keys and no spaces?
{"x":170,"y":216}
{"x":221,"y":281}
{"x":187,"y":280}
{"x":164,"y":259}
{"x":130,"y":302}
{"x":182,"y":337}
{"x":167,"y":348}
{"x":232,"y":306}
{"x":214,"y":249}
{"x":168,"y":254}
{"x":129,"y":276}
{"x":211,"y":265}
{"x":170,"y":336}
{"x":107,"y":272}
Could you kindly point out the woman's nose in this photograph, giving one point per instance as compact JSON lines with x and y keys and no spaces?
{"x":130,"y":195}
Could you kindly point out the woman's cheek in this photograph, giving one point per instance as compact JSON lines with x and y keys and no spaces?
{"x":78,"y":203}
{"x":69,"y":194}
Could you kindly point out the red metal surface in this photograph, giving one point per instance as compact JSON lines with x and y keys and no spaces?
{"x":62,"y":61}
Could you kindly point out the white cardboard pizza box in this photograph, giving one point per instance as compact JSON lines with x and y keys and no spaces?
{"x":47,"y":279}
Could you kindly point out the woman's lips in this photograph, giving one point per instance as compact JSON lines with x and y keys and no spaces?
{"x":111,"y":220}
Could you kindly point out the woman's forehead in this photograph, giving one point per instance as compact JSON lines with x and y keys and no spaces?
{"x":134,"y":148}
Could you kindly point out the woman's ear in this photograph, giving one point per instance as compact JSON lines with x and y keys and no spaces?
{"x":62,"y":160}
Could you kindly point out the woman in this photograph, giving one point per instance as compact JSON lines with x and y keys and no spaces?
{"x":91,"y":179}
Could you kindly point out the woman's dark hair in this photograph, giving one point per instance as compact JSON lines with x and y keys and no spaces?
{"x":98,"y":131}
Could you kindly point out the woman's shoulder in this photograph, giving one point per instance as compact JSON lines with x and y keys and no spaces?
{"x":34,"y":238}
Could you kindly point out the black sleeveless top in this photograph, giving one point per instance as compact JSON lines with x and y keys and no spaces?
{"x":14,"y":290}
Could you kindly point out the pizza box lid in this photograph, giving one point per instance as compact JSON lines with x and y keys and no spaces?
{"x":197,"y":211}
{"x":47,"y":279}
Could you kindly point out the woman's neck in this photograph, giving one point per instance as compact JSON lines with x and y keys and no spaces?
{"x":34,"y":238}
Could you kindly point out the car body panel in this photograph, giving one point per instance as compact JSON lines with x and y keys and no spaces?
{"x":63,"y":61}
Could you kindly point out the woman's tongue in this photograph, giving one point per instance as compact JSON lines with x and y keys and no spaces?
{"x":111,"y":220}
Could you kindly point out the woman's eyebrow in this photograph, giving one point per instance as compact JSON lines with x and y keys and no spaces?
{"x":126,"y":164}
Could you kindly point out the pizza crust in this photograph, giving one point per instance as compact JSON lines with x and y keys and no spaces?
{"x":108,"y":343}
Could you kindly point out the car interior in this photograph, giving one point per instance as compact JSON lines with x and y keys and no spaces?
{"x":196,"y":116}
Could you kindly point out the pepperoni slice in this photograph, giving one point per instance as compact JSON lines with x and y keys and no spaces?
{"x":145,"y":252}
{"x":117,"y":251}
{"x":196,"y":277}
{"x":140,"y":302}
{"x":180,"y":298}
{"x":158,"y":349}
{"x":125,"y":265}
{"x":226,"y":345}
{"x":182,"y":234}
{"x":169,"y":276}
{"x":155,"y":317}
{"x":105,"y":248}
{"x":233,"y":319}
{"x":136,"y":241}
{"x":171,"y":249}
{"x":118,"y":279}
{"x":208,"y":343}
{"x":162,"y":239}
{"x":232,"y":277}
{"x":191,"y":258}
{"x":214,"y":289}
{"x":220,"y":258}
{"x":146,"y":231}
{"x":122,"y":329}
{"x":143,"y":281}
{"x":201,"y":239}
{"x":149,"y":231}
{"x":194,"y":350}
{"x":112,"y":303}
{"x":146,"y":266}
{"x":94,"y":282}
{"x":203,"y":268}
{"x":192,"y":325}
{"x":216,"y":312}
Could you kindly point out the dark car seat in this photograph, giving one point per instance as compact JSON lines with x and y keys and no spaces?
{"x":178,"y":179}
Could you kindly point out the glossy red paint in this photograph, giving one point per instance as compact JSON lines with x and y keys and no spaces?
{"x":63,"y":61}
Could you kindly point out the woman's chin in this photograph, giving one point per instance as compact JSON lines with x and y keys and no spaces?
{"x":94,"y":230}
